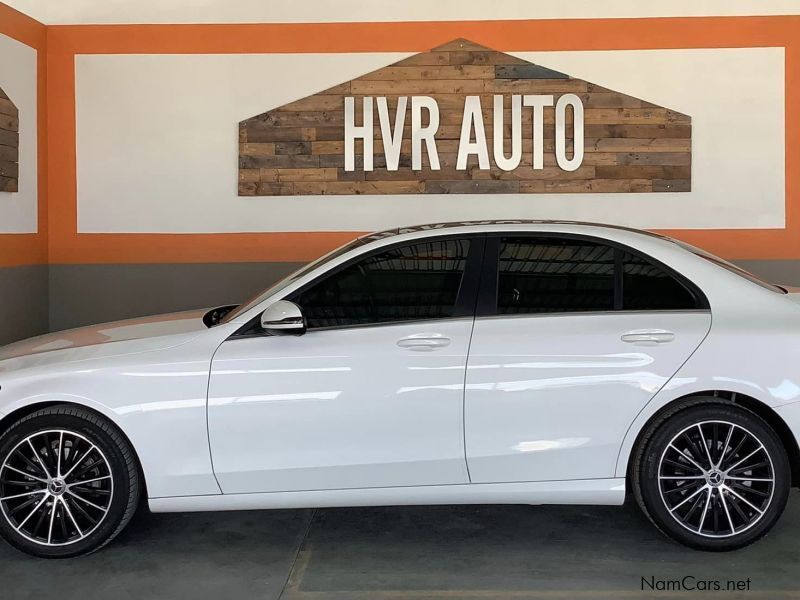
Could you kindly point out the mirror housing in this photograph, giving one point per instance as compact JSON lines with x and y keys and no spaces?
{"x":284,"y":318}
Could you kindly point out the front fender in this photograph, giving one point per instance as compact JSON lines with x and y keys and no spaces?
{"x":157,"y":399}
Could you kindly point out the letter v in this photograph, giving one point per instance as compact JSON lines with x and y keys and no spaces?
{"x":392,"y":142}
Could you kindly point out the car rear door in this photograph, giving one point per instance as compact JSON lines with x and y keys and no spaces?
{"x":371,"y":395}
{"x":573,"y":337}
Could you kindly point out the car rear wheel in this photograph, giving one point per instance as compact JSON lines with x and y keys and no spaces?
{"x":69,"y":482}
{"x":713,"y":476}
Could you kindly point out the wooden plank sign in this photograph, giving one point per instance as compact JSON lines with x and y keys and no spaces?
{"x":9,"y":144}
{"x":465,"y":119}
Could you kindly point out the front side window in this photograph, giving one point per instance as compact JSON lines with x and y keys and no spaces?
{"x":291,"y":278}
{"x":559,"y":275}
{"x":408,"y":283}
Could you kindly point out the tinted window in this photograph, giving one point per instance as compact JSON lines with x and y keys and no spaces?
{"x":540,"y":275}
{"x":276,"y":287}
{"x":648,"y":287}
{"x":408,"y":283}
{"x":550,"y":274}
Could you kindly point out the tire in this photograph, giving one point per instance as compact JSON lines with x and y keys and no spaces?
{"x":719,"y":496}
{"x":76,"y":461}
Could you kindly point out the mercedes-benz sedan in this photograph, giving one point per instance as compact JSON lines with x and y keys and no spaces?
{"x":494,"y":362}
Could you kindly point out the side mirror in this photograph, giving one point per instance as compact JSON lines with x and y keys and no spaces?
{"x":284,"y":318}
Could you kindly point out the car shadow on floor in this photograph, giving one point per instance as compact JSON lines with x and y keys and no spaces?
{"x":423,"y":552}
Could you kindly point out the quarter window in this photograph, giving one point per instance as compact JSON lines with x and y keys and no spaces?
{"x":647,"y":287}
{"x":407,"y":283}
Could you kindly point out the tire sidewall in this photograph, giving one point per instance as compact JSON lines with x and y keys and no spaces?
{"x":119,"y":474}
{"x":649,"y":483}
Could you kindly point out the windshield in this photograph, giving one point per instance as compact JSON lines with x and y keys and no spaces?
{"x":277,"y":287}
{"x":730,"y":267}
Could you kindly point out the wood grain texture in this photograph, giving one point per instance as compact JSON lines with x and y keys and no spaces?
{"x":9,"y":144}
{"x":630,"y":144}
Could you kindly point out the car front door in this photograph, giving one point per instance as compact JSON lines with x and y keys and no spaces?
{"x":371,"y":395}
{"x":573,"y":337}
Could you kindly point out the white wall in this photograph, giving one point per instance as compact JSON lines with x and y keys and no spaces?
{"x":18,"y":210}
{"x":321,"y":11}
{"x":157,"y":143}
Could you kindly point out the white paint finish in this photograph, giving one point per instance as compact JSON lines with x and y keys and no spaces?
{"x":339,"y":409}
{"x":323,"y":11}
{"x":171,"y":164}
{"x":153,"y":384}
{"x":550,"y":396}
{"x":749,"y":350}
{"x":118,"y":331}
{"x":790,"y":414}
{"x":149,"y":376}
{"x":587,"y":491}
{"x":18,"y":78}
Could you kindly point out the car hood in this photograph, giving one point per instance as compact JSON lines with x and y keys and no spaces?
{"x":159,"y":330}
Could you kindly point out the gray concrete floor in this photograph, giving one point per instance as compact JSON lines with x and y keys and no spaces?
{"x":415,"y":553}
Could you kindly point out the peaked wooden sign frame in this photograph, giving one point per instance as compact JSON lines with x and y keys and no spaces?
{"x":559,"y":134}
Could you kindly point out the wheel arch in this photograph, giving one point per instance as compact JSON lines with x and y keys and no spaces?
{"x":8,"y":419}
{"x":763,"y":410}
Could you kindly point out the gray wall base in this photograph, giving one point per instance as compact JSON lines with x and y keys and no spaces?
{"x":87,"y":294}
{"x":23,"y":302}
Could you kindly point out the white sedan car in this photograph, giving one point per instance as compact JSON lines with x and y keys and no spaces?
{"x":494,"y":362}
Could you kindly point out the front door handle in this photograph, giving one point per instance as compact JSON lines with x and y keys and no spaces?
{"x":648,"y":337}
{"x":424,"y":342}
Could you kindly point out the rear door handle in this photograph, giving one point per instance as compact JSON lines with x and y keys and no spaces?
{"x":424,"y":342}
{"x":648,"y":337}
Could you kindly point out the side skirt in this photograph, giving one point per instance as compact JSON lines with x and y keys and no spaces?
{"x":581,"y":491}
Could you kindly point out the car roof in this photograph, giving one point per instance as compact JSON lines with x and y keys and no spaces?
{"x":389,"y":233}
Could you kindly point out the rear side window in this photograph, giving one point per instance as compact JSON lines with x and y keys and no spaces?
{"x":648,"y":287}
{"x":552,"y":275}
{"x":407,"y":283}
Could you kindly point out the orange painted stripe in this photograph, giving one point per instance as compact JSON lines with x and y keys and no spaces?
{"x":22,"y":249}
{"x":61,"y":164}
{"x":517,"y":35}
{"x":66,"y":246}
{"x":30,"y":249}
{"x":21,"y":27}
{"x":741,"y":244}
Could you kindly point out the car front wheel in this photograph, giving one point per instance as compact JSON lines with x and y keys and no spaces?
{"x":69,"y":482}
{"x":713,"y":476}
